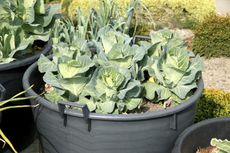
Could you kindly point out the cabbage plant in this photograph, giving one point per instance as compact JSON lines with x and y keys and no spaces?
{"x":14,"y":41}
{"x":119,"y":76}
{"x":114,"y":87}
{"x":22,"y":23}
{"x":97,"y":79}
{"x":222,"y":146}
{"x":173,"y":70}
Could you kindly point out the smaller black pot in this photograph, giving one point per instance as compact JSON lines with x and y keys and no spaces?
{"x":200,"y":135}
{"x":17,"y":124}
{"x":2,"y":93}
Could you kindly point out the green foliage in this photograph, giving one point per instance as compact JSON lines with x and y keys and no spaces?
{"x":107,"y":73}
{"x":173,"y":70}
{"x":88,"y":25}
{"x":159,"y":14}
{"x":153,"y":14}
{"x":179,"y":13}
{"x":222,"y":146}
{"x":102,"y":82}
{"x":212,"y":38}
{"x":100,"y":13}
{"x":14,"y":40}
{"x":69,"y":7}
{"x":213,"y":103}
{"x":94,"y":63}
{"x":22,"y":23}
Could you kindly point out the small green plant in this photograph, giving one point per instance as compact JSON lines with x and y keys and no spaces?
{"x":212,"y":37}
{"x":15,"y":98}
{"x":213,"y":103}
{"x":22,"y":23}
{"x":69,"y":7}
{"x":222,"y":146}
{"x":88,"y":25}
{"x":105,"y":12}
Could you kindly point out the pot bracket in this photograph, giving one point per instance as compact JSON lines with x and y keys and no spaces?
{"x":63,"y":106}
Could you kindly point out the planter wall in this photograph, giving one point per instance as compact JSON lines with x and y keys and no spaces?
{"x":153,"y":132}
{"x":18,"y":124}
{"x":200,"y":135}
{"x":2,"y":93}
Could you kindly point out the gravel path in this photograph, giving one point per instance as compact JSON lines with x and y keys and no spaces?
{"x":223,"y":6}
{"x":217,"y":73}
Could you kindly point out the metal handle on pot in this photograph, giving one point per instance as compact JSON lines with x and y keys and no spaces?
{"x":85,"y":110}
{"x":2,"y":91}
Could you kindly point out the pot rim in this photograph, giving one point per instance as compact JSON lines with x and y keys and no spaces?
{"x":26,"y":61}
{"x":113,"y":117}
{"x":186,"y":132}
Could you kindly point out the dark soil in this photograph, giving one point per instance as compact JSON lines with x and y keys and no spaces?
{"x":151,"y":107}
{"x":206,"y":150}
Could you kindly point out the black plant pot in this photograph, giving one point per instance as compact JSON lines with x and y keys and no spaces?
{"x":2,"y":93}
{"x":63,"y":130}
{"x":17,"y":124}
{"x":200,"y":135}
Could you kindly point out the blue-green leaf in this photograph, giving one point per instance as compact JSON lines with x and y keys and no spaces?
{"x":74,"y":85}
{"x":182,"y":90}
{"x":51,"y":79}
{"x":133,"y":103}
{"x":45,"y":65}
{"x":107,"y":107}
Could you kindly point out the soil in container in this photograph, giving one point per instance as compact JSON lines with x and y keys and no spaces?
{"x":206,"y":150}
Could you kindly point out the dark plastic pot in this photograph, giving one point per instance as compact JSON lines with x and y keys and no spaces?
{"x":2,"y":93}
{"x":63,"y":130}
{"x":17,"y":124}
{"x":199,"y":135}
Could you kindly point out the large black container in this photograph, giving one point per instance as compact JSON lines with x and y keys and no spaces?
{"x":200,"y":135}
{"x":63,"y":130}
{"x":17,"y":124}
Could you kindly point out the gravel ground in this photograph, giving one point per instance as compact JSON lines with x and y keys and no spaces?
{"x":223,"y":7}
{"x":217,"y":73}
